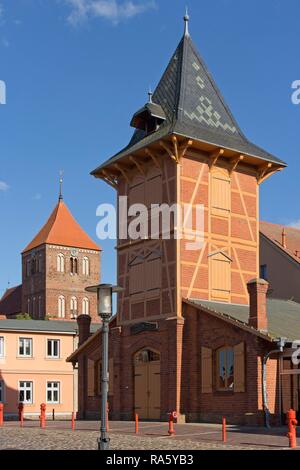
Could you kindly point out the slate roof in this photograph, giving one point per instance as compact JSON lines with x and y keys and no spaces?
{"x":283,"y":315}
{"x":44,"y":326}
{"x":274,"y":233}
{"x":11,"y":301}
{"x":194,"y":108}
{"x":62,"y":229}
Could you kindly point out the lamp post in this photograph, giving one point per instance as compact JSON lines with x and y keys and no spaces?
{"x":104,"y":303}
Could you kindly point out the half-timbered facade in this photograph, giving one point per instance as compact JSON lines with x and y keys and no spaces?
{"x":184,"y":337}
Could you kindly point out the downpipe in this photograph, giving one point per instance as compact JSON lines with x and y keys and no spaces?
{"x":280,"y":346}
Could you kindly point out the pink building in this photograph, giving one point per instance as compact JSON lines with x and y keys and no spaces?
{"x":33,"y":367}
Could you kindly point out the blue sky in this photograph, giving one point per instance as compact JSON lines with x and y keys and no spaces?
{"x":76,"y":71}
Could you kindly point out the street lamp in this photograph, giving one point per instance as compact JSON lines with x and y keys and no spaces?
{"x":104,"y":303}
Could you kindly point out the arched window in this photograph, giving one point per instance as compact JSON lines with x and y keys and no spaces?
{"x":146,"y":355}
{"x":28,"y":267}
{"x":28,"y":306}
{"x":73,"y":265}
{"x":225,"y":369}
{"x":33,"y":266}
{"x":61,"y":306}
{"x":85,"y":306}
{"x":40,"y":314}
{"x":86,"y":266}
{"x":60,"y":263}
{"x":73,"y":306}
{"x":40,"y":263}
{"x":33,"y":307}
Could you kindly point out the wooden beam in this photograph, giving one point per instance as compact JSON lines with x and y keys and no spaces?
{"x":267,"y":175}
{"x":234,"y":163}
{"x":214,"y":157}
{"x":154,"y":158}
{"x":122,"y":171}
{"x":183,"y":148}
{"x":168,"y":150}
{"x":262,"y":170}
{"x":109,"y":179}
{"x":175,"y":145}
{"x":137,"y":164}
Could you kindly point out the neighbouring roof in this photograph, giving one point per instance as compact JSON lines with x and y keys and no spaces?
{"x":283,"y":315}
{"x":44,"y":326}
{"x":62,"y":229}
{"x":11,"y":301}
{"x":274,"y":233}
{"x":194,"y":108}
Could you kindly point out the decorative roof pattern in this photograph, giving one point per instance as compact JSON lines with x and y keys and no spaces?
{"x":194,"y":108}
{"x":62,"y":229}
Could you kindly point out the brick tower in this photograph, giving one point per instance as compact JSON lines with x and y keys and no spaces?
{"x":187,"y":149}
{"x":57,"y":265}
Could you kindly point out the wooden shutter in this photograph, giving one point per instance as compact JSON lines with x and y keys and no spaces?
{"x":111,"y":376}
{"x":220,"y":192}
{"x":136,"y":278}
{"x":153,"y":192}
{"x":206,"y":370}
{"x":153,"y":274}
{"x":220,"y":277}
{"x":239,"y":367}
{"x":91,"y":377}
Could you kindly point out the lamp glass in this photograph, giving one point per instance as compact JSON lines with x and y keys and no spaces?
{"x":105,"y":301}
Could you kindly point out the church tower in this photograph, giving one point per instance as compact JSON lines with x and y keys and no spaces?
{"x":57,"y":266}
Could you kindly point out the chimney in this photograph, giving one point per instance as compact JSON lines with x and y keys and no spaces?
{"x":258,"y":289}
{"x":84,"y":322}
{"x":283,"y":238}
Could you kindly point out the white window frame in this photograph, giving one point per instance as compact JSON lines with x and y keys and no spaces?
{"x":85,"y":306}
{"x":2,"y":391}
{"x":52,"y":390}
{"x":86,"y":266}
{"x":31,"y":347}
{"x":24,"y":389}
{"x":60,"y":263}
{"x":52,"y":356}
{"x":2,"y":346}
{"x":61,"y":303}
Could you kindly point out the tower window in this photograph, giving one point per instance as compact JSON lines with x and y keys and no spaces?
{"x":263,"y":271}
{"x":74,"y":265}
{"x":60,"y":263}
{"x":85,"y":306}
{"x":61,"y":307}
{"x":73,"y":307}
{"x":86,"y":266}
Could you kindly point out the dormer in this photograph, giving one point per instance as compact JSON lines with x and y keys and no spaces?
{"x":149,"y":117}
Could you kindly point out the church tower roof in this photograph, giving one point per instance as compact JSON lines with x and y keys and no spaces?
{"x":62,"y":229}
{"x":194,"y":108}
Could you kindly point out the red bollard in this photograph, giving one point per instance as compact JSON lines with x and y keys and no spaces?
{"x":224,"y":435}
{"x":21,"y":414}
{"x":1,"y":414}
{"x":43,"y":416}
{"x":107,"y":422}
{"x":292,"y":423}
{"x":136,"y":423}
{"x":172,"y":416}
{"x":73,"y":421}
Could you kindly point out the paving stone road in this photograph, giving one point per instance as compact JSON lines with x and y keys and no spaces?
{"x":34,"y":438}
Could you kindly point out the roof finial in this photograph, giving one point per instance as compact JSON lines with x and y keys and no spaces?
{"x":150,"y":94}
{"x":186,"y":22}
{"x":60,"y":185}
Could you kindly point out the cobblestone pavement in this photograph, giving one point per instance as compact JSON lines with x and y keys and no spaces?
{"x":152,"y":436}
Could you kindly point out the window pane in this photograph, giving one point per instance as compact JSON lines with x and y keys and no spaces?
{"x":1,"y":346}
{"x":221,"y":370}
{"x":21,"y":347}
{"x":230,"y":366}
{"x":21,"y":396}
{"x":49,"y":347}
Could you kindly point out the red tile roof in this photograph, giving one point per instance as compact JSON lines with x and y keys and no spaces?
{"x":11,"y":301}
{"x":62,"y":229}
{"x":292,"y":238}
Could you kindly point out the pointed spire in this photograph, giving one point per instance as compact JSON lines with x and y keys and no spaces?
{"x":186,"y":22}
{"x":60,"y":185}
{"x":150,"y":94}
